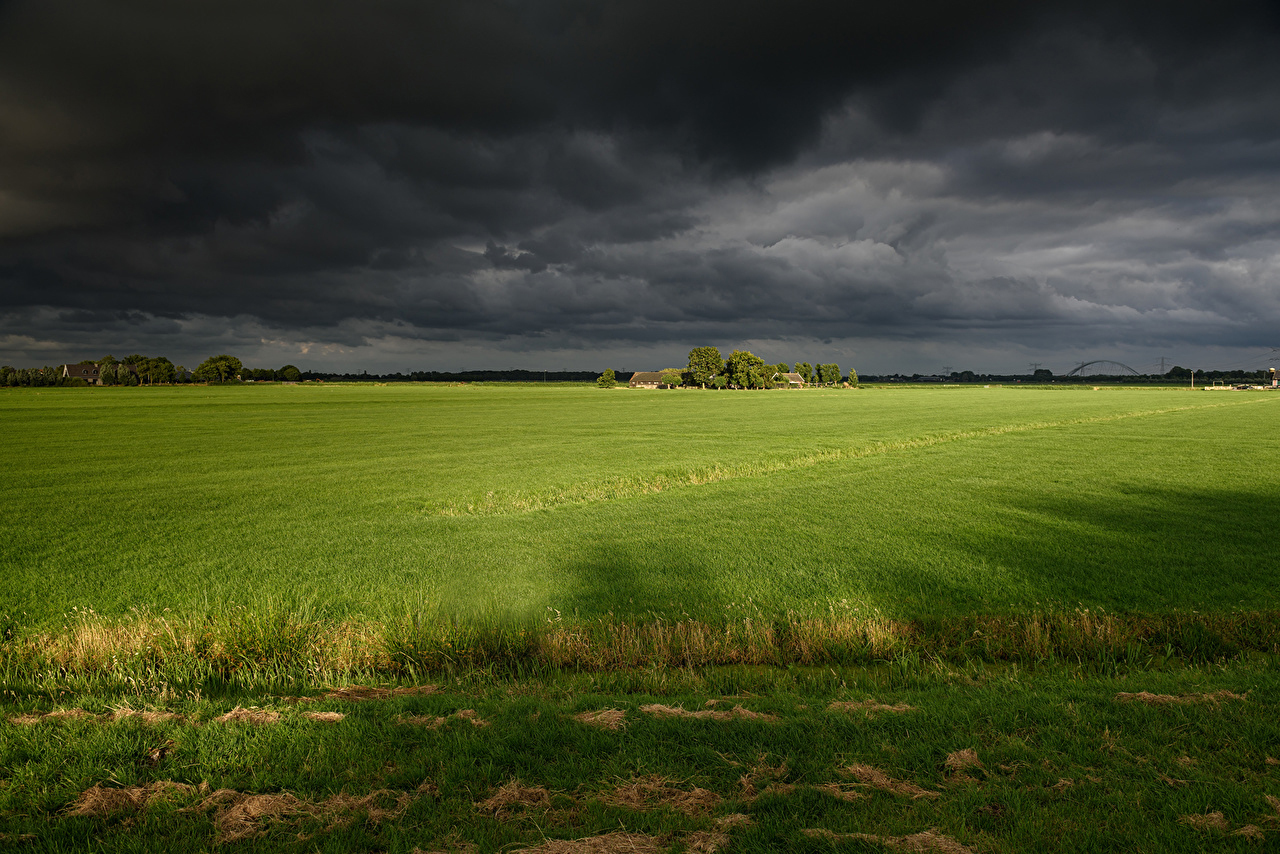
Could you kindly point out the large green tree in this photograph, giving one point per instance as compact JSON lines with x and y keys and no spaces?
{"x":705,"y":363}
{"x":746,"y":370}
{"x":829,"y":374}
{"x":218,"y":369}
{"x":608,"y":379}
{"x":289,"y":374}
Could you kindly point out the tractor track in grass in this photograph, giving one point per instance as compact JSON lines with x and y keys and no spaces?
{"x":612,"y":489}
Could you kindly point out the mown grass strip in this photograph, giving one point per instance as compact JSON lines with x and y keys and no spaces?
{"x":611,"y":489}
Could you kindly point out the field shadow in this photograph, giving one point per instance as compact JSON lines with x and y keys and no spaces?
{"x":1141,"y":548}
{"x":634,"y":579}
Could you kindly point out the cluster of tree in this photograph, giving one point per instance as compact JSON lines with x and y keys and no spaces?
{"x":46,"y":376}
{"x":139,"y":370}
{"x":742,"y":369}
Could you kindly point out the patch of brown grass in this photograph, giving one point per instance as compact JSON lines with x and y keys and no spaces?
{"x":613,"y":719}
{"x":147,"y":717}
{"x":763,"y":772}
{"x":1250,"y":831}
{"x":237,"y":815}
{"x":371,"y":805}
{"x":651,"y":792}
{"x":324,"y":717}
{"x":435,"y":721}
{"x":61,"y":715}
{"x":870,"y":776}
{"x":928,"y":840}
{"x":660,"y":711}
{"x":515,"y":794}
{"x":252,"y":715}
{"x":962,"y":760}
{"x":1209,"y":821}
{"x":869,"y":707}
{"x":358,"y":693}
{"x":840,"y":792}
{"x":705,"y":842}
{"x":737,"y":819}
{"x":618,"y":842}
{"x":1273,"y":802}
{"x":1148,"y":699}
{"x":100,"y":801}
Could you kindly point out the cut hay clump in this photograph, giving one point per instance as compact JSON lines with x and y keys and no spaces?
{"x":1149,"y":699}
{"x":611,"y":719}
{"x":839,"y":792}
{"x":324,"y":717}
{"x":928,"y":840}
{"x":60,"y":715}
{"x":237,"y":815}
{"x":371,"y":805}
{"x":147,"y":717}
{"x":101,"y":801}
{"x":252,"y":715}
{"x":705,"y":842}
{"x":1209,"y":821}
{"x":515,"y":794}
{"x":869,"y":707}
{"x":653,"y":792}
{"x":618,"y":842}
{"x":868,"y":776}
{"x":358,"y":693}
{"x":436,"y":721}
{"x":660,"y":711}
{"x":1250,"y":831}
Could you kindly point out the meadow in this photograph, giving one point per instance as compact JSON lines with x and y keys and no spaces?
{"x":566,"y":620}
{"x":511,"y":503}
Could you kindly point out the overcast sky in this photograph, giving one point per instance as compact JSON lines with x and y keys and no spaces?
{"x":408,"y":185}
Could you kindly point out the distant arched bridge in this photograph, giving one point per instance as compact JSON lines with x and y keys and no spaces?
{"x":1111,"y":369}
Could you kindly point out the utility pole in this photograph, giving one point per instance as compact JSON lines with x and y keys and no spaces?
{"x":1163,"y":359}
{"x":1193,"y":379}
{"x":946,"y":370}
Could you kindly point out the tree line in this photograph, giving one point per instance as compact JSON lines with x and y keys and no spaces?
{"x":138,"y":369}
{"x":741,"y":370}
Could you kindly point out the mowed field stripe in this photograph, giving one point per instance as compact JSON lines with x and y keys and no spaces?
{"x":611,"y":489}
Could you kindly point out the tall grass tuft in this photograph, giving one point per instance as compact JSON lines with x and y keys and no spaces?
{"x":278,"y":647}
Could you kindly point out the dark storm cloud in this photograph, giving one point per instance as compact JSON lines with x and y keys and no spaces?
{"x":579,"y":176}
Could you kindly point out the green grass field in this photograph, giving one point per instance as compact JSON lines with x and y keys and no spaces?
{"x":960,"y":620}
{"x":504,"y":502}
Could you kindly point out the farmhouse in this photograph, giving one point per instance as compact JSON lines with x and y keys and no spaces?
{"x":646,"y":379}
{"x":792,"y":380}
{"x":86,"y":371}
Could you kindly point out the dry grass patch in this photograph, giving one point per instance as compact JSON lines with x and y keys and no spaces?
{"x":653,"y":792}
{"x":1209,"y":821}
{"x":868,"y":776}
{"x":1250,"y":831}
{"x":60,"y":715}
{"x":1149,"y":699}
{"x":613,"y":719}
{"x":705,"y":842}
{"x":436,"y":721}
{"x":324,"y":717}
{"x":840,"y":792}
{"x":357,"y":693}
{"x":960,"y":762}
{"x":237,"y":815}
{"x":869,"y":707}
{"x":928,"y":840}
{"x":764,"y":773}
{"x":618,"y":842}
{"x":101,"y":801}
{"x":252,"y":715}
{"x":660,"y":711}
{"x":148,"y":717}
{"x":514,"y":794}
